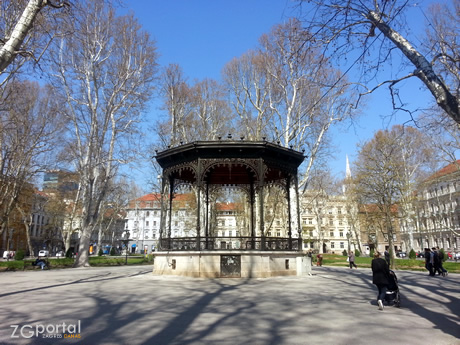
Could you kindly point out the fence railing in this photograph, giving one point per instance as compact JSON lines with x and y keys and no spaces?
{"x":231,"y":243}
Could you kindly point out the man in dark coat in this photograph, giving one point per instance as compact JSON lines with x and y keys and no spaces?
{"x":380,"y":277}
{"x":428,"y":262}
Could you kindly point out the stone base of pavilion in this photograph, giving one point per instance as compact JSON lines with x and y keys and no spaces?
{"x":232,"y":264}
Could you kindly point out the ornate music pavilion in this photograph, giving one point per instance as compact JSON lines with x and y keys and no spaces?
{"x":250,"y":166}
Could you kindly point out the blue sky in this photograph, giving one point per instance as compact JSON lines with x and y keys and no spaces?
{"x":203,"y":35}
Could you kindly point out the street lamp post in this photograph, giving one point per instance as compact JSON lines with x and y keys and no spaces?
{"x":348,"y":238}
{"x":126,"y":242}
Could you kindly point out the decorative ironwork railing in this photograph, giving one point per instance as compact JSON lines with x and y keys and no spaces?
{"x":231,"y":243}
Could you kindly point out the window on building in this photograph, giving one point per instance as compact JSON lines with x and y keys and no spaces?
{"x":339,"y":210}
{"x":154,"y":223}
{"x":147,"y":214}
{"x":278,"y":234}
{"x":341,"y":233}
{"x":331,"y":233}
{"x":342,"y":245}
{"x":331,"y":222}
{"x":310,"y":220}
{"x":311,"y":233}
{"x":332,"y":245}
{"x":147,"y":223}
{"x":269,"y":234}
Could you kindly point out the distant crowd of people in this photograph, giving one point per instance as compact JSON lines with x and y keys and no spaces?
{"x":433,"y":262}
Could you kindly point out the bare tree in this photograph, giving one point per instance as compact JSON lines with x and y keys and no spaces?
{"x":30,"y":123}
{"x":112,"y":219}
{"x":386,"y":175}
{"x":360,"y":26}
{"x":106,"y":71}
{"x":196,"y":112}
{"x":246,"y":80}
{"x":26,"y":29}
{"x":289,"y":89}
{"x":211,"y":116}
{"x":176,"y":94}
{"x":416,"y":154}
{"x":442,"y":133}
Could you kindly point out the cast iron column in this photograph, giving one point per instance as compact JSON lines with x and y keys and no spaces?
{"x":261,"y":203}
{"x":162,"y":212}
{"x":171,"y":196}
{"x":299,"y":229}
{"x":288,"y":190}
{"x":198,"y":206}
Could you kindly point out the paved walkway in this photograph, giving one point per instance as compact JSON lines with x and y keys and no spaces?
{"x":128,"y":305}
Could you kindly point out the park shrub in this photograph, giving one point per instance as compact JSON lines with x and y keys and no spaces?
{"x":61,"y":262}
{"x":113,"y":252}
{"x":444,"y":255}
{"x":19,"y":255}
{"x":14,"y":265}
{"x":371,"y":253}
{"x":412,"y":254}
{"x":357,"y":253}
{"x":345,"y":253}
{"x":100,"y":252}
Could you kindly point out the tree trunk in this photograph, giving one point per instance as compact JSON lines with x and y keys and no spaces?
{"x":9,"y":50}
{"x":424,"y":71}
{"x":82,"y":259}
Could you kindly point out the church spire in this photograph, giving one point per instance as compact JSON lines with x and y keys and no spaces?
{"x":347,"y":176}
{"x":347,"y":169}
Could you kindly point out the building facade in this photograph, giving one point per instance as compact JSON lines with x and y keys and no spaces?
{"x":435,"y":221}
{"x":143,"y":217}
{"x":327,"y":225}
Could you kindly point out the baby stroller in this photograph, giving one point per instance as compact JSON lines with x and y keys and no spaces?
{"x":392,"y":296}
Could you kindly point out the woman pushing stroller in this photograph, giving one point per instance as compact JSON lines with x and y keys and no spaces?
{"x":380,"y":277}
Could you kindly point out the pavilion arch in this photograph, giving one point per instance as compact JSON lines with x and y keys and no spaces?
{"x":252,"y":166}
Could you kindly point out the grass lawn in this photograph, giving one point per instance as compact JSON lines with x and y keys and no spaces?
{"x":14,"y":265}
{"x":399,"y":264}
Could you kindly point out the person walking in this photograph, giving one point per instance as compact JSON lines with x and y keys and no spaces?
{"x":319,"y":260}
{"x":434,"y":261}
{"x":387,"y":257}
{"x":428,"y":264}
{"x":351,"y":259}
{"x":380,"y":277}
